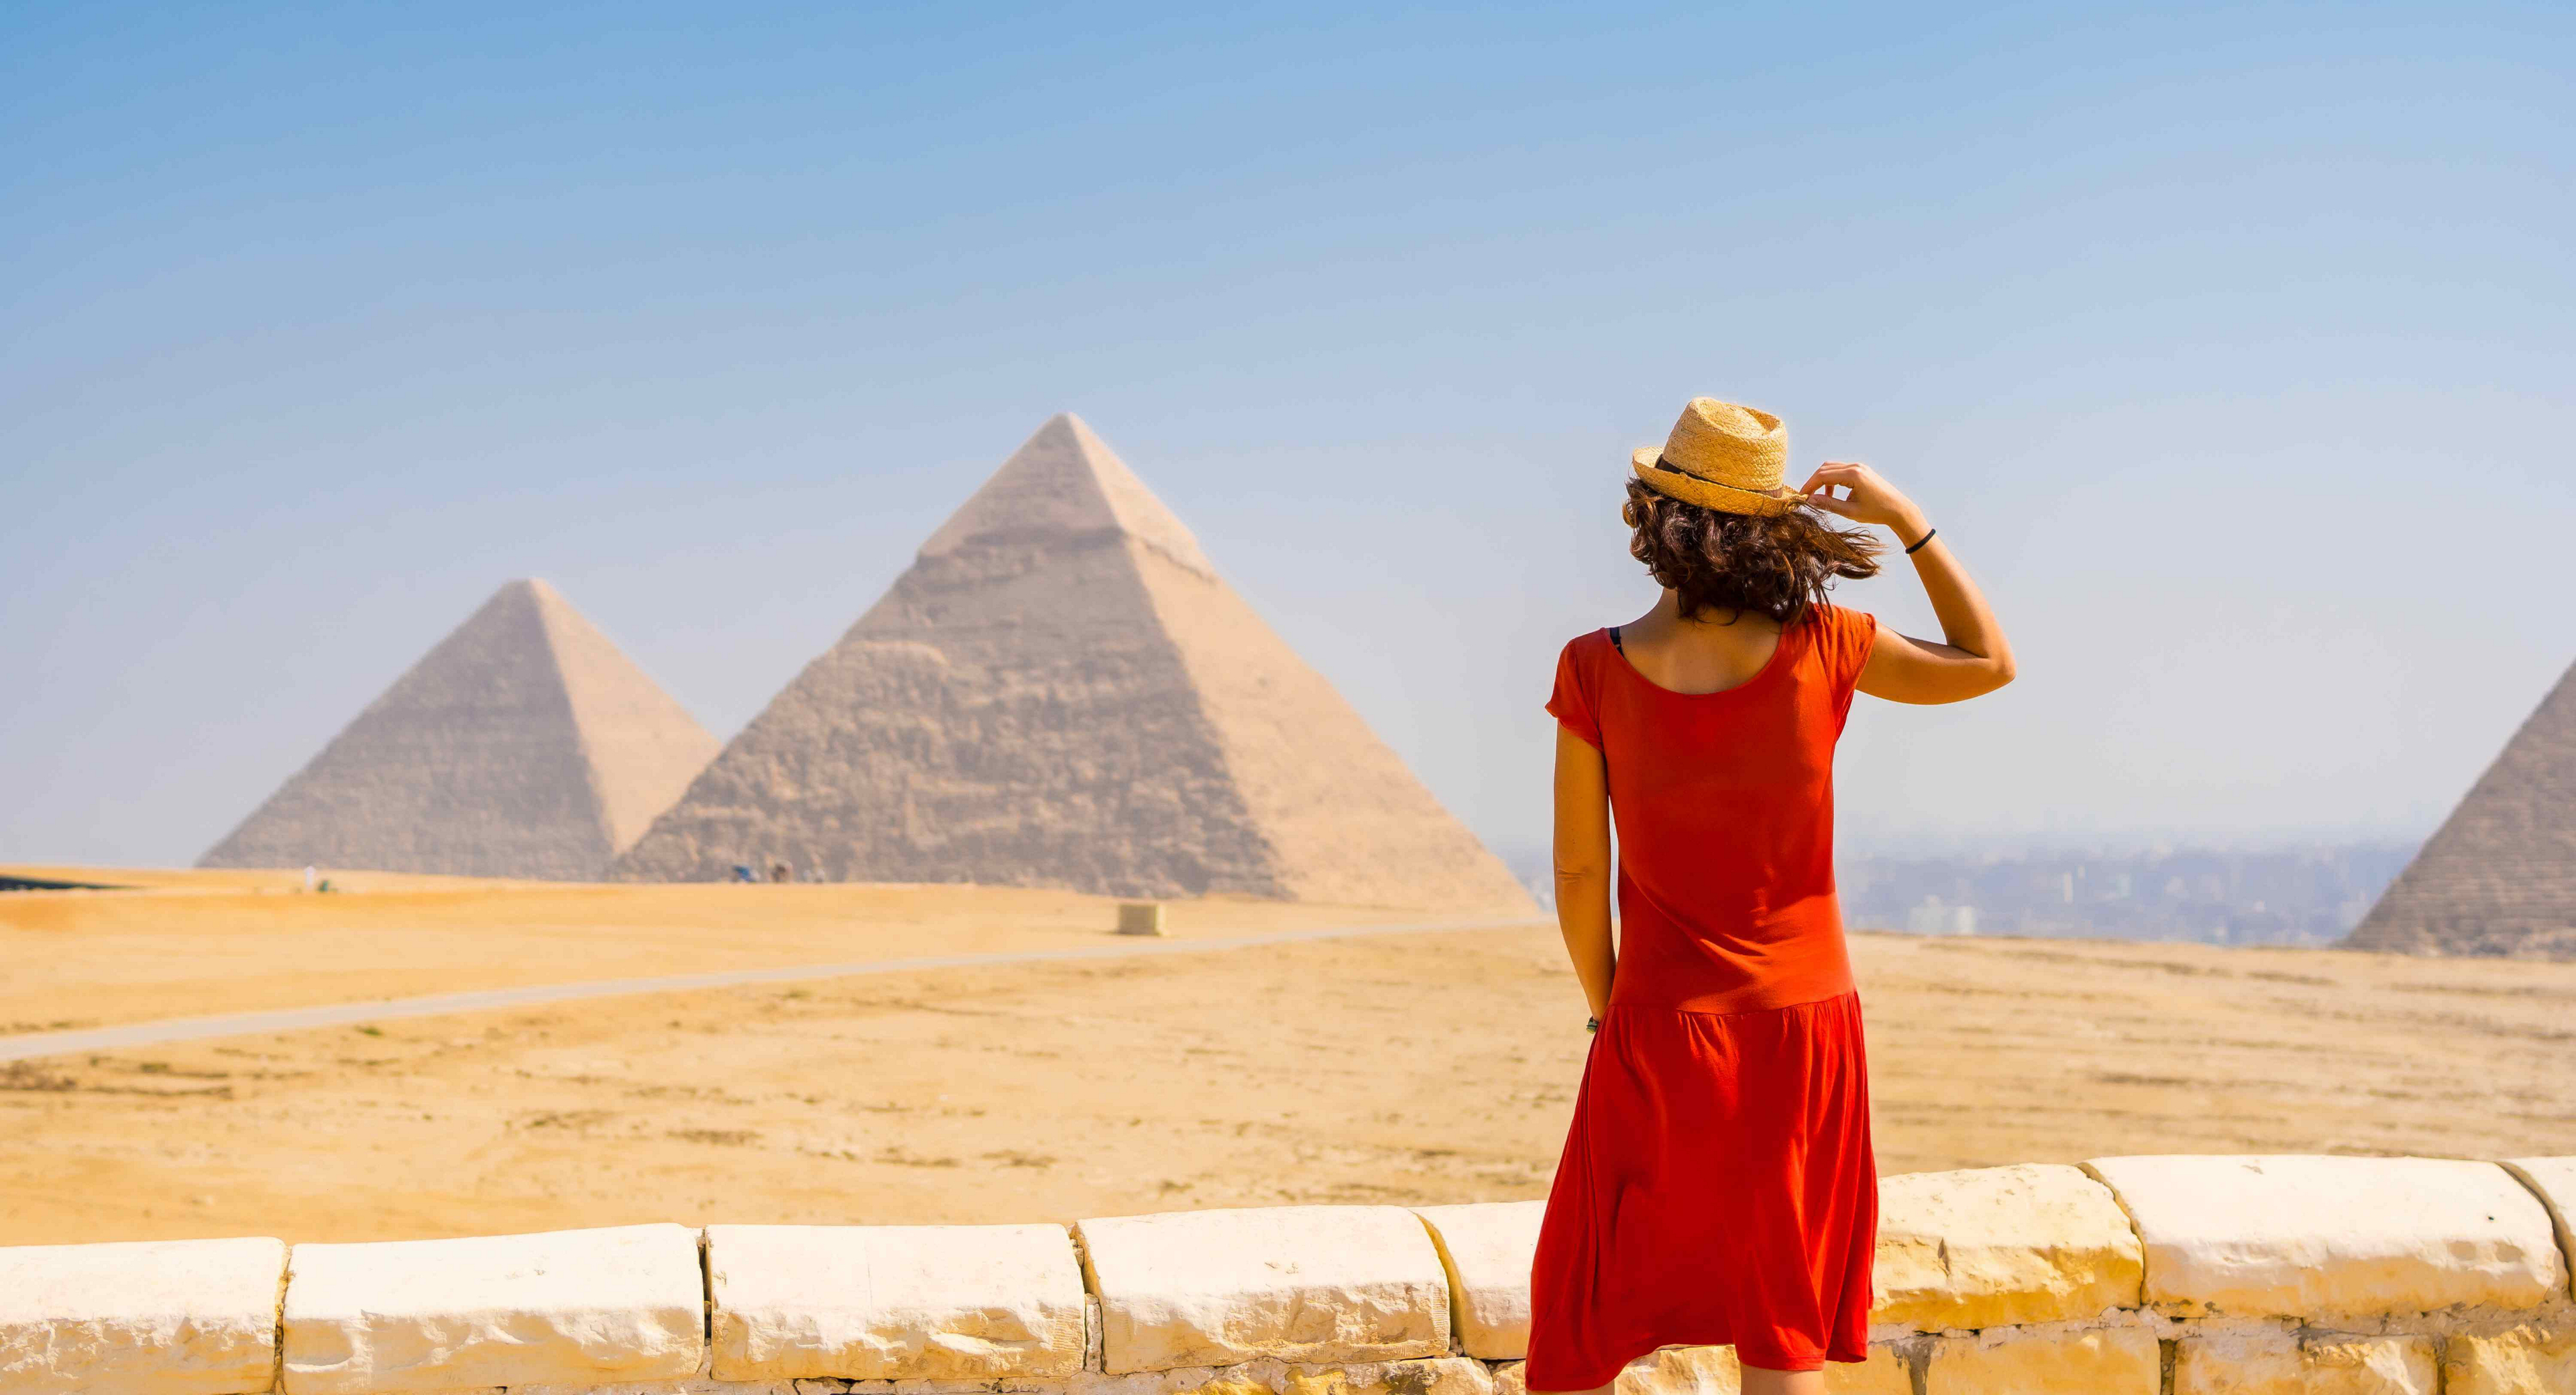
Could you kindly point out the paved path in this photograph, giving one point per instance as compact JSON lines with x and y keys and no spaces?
{"x":234,"y":1024}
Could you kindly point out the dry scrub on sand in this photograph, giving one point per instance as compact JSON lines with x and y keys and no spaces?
{"x":1422,"y":1067}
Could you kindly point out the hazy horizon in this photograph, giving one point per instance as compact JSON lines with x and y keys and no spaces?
{"x":2228,"y":347}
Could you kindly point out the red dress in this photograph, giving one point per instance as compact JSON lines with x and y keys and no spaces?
{"x":1717,"y":1186}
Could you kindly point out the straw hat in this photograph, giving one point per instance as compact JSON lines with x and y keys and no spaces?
{"x":1722,"y":456}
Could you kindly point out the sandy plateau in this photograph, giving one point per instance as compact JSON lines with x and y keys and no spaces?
{"x":1422,"y":1067}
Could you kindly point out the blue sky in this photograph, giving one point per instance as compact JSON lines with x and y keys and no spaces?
{"x":2230,"y":345}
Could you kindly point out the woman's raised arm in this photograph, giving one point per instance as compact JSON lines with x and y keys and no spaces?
{"x":1973,"y":658}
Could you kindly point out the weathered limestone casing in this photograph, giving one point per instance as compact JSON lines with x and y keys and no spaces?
{"x":1993,"y":1246}
{"x":2313,"y":1236}
{"x":2277,"y":1361}
{"x":1486,"y":1249}
{"x":570,"y":1307}
{"x":1295,"y":1283}
{"x":895,"y":1302}
{"x":155,"y":1317}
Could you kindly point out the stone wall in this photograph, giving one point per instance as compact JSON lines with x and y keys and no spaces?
{"x":2152,"y":1275}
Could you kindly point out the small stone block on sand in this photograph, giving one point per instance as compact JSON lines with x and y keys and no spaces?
{"x":1140,"y":918}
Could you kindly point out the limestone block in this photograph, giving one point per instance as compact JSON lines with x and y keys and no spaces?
{"x":823,"y":1385}
{"x":1303,"y":1284}
{"x":1716,"y":1371}
{"x":1884,"y":1373}
{"x":2554,"y":1180}
{"x":1511,"y":1378}
{"x":1447,"y":1375}
{"x":2278,"y":1362}
{"x":894,"y":1302}
{"x":2109,"y":1361}
{"x":1681,"y":1371}
{"x":1486,"y":1249}
{"x":154,"y":1317}
{"x":2529,"y":1360}
{"x":575,"y":1307}
{"x":700,"y":1384}
{"x":2317,"y":1236}
{"x":1995,"y":1246}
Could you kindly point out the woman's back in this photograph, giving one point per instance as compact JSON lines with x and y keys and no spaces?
{"x":1723,"y":801}
{"x":1698,"y":656}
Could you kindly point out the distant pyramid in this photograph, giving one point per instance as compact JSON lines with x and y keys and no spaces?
{"x":1062,"y":692}
{"x":2499,"y":877}
{"x":524,"y":745}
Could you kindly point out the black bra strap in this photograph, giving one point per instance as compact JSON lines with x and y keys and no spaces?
{"x":1614,"y":640}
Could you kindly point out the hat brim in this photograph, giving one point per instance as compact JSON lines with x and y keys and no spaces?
{"x":1709,"y":494}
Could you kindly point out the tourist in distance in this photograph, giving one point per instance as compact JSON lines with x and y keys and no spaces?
{"x":1717,"y":1186}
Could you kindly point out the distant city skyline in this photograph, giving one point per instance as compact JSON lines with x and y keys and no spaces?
{"x":2227,"y":345}
{"x":2276,"y":892}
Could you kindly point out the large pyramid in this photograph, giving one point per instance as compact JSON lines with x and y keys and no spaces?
{"x":2499,"y":877}
{"x":1062,"y":692}
{"x":524,"y":745}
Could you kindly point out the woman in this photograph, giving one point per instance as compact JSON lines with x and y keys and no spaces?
{"x":1717,"y":1186}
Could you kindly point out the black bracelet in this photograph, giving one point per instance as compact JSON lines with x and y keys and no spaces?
{"x":1927,"y":537}
{"x":1592,"y":1024}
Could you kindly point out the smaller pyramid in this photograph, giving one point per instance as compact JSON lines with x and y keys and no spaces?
{"x":2499,"y":876}
{"x":524,"y":745}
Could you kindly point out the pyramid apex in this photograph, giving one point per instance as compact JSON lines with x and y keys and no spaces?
{"x":1064,"y":482}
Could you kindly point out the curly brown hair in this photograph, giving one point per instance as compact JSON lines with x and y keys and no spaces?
{"x":1712,"y":560}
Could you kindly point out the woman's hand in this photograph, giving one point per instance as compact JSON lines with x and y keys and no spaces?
{"x":1973,"y":657}
{"x":1866,"y":499}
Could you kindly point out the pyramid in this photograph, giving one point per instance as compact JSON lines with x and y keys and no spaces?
{"x":524,"y":745}
{"x":1062,"y":692}
{"x":2499,"y":876}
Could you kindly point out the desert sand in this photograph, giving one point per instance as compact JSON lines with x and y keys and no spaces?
{"x":1419,"y":1067}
